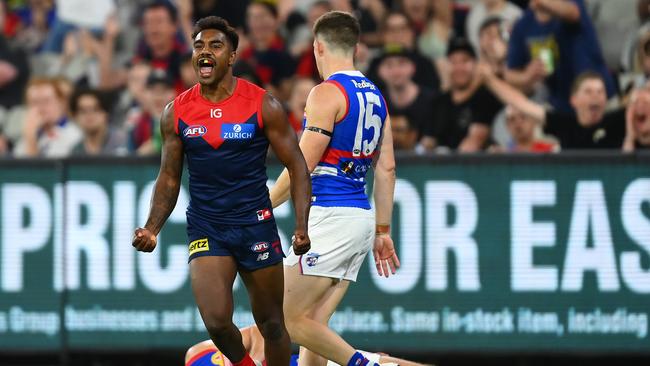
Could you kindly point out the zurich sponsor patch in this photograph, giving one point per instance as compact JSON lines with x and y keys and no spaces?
{"x":259,"y":247}
{"x":237,"y":131}
{"x":312,"y":259}
{"x":195,"y":131}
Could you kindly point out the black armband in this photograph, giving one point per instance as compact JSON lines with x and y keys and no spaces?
{"x":319,"y":130}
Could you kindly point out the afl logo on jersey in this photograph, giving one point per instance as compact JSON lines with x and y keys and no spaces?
{"x":195,"y":131}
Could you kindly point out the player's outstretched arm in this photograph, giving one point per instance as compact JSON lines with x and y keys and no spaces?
{"x":284,"y":143}
{"x":386,"y":259}
{"x":168,"y":183}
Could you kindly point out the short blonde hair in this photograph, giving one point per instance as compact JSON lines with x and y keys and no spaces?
{"x":45,"y":81}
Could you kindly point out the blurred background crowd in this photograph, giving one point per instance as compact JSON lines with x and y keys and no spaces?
{"x":80,"y":77}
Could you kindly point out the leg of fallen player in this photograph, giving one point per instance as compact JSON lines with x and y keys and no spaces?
{"x":212,"y":278}
{"x":265,"y":290}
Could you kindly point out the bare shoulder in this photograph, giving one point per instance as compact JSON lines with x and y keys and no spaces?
{"x":326,"y":99}
{"x":167,"y":122}
{"x":325,"y":93}
{"x":272,"y":109}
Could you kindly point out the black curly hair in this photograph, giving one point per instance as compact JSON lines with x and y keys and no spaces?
{"x":220,"y":24}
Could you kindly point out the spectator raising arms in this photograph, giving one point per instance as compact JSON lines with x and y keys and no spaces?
{"x":555,"y":41}
{"x":638,"y":122}
{"x":587,"y":127}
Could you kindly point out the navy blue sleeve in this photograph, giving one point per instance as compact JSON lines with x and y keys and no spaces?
{"x":518,"y":54}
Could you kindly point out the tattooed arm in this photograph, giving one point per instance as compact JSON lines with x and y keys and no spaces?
{"x":167,"y":185}
{"x":284,"y":143}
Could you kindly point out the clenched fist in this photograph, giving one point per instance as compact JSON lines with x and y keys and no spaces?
{"x":301,"y":242}
{"x":144,"y":240}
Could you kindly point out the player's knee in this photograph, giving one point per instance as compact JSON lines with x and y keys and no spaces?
{"x":219,"y":327}
{"x":272,"y":329}
{"x":293,"y":325}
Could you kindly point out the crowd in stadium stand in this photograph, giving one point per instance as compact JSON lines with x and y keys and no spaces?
{"x":85,"y":78}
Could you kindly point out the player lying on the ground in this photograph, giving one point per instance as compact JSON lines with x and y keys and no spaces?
{"x":206,"y":354}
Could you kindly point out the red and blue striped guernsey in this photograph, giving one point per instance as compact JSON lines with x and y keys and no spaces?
{"x":226,"y":148}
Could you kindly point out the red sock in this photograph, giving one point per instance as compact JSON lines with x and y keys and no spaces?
{"x":246,"y":361}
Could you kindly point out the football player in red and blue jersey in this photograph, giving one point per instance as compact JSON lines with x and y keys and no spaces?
{"x":347,"y":132}
{"x":223,"y":127}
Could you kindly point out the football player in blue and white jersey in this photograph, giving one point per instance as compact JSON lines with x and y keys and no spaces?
{"x":347,"y":132}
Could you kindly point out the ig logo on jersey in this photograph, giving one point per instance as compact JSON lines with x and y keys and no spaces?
{"x":195,"y":131}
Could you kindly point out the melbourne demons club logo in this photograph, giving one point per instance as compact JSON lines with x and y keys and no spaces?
{"x":264,"y":214}
{"x":195,"y":131}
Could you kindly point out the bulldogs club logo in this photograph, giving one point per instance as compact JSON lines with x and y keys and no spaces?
{"x":312,"y":259}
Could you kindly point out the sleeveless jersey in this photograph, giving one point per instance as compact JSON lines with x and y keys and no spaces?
{"x":339,"y":179}
{"x":225,"y":147}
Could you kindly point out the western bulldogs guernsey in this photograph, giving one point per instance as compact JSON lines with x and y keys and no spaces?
{"x":226,"y":148}
{"x":339,"y":179}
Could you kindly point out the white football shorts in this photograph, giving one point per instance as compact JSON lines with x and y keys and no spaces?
{"x":340,"y":239}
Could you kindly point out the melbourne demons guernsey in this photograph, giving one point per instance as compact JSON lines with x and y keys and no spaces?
{"x":225,"y":147}
{"x":339,"y":179}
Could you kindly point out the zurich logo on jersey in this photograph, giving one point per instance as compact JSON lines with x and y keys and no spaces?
{"x":195,"y":131}
{"x":237,"y":131}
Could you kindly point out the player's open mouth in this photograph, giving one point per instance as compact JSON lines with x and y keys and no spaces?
{"x":206,"y":66}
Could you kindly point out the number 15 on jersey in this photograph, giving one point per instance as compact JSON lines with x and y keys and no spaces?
{"x":367,"y":120}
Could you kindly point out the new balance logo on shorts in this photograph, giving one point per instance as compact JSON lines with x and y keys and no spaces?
{"x":200,"y":245}
{"x":263,"y":257}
